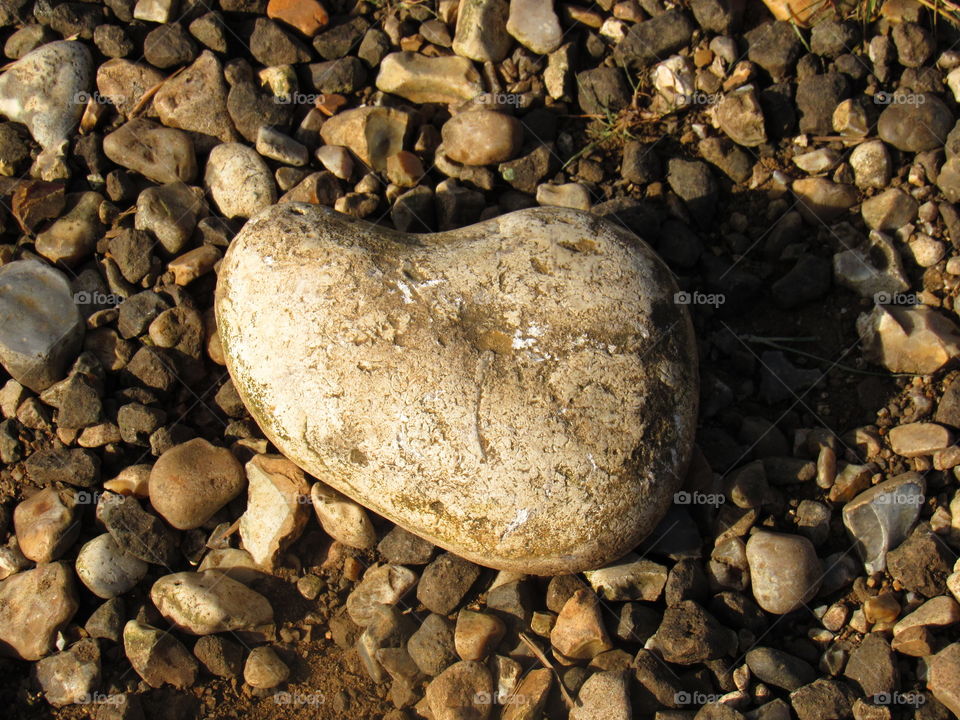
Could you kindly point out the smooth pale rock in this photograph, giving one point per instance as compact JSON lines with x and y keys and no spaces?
{"x":45,"y":524}
{"x":46,"y":90}
{"x":277,"y":508}
{"x":192,"y":480}
{"x":784,"y":570}
{"x":880,"y":518}
{"x":157,"y":656}
{"x":890,"y":210}
{"x":481,"y":137}
{"x":389,"y":364}
{"x":203,"y":603}
{"x":910,"y":339}
{"x":422,"y":79}
{"x":34,"y":606}
{"x":196,"y":100}
{"x":123,"y":83}
{"x":234,"y":562}
{"x":41,"y":328}
{"x":481,"y":32}
{"x":342,"y":518}
{"x":919,"y":438}
{"x":106,"y":569}
{"x":372,"y":133}
{"x":239,"y":181}
{"x":159,"y":153}
{"x":823,"y":201}
{"x":535,"y":25}
{"x":264,"y":669}
{"x":70,"y":676}
{"x":937,"y":612}
{"x":170,"y":212}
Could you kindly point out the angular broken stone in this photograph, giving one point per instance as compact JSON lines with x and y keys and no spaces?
{"x":381,"y":585}
{"x":46,"y":524}
{"x":579,"y":633}
{"x":481,"y":32}
{"x":372,"y":133}
{"x":451,"y":384}
{"x":157,"y":656}
{"x":70,"y":676}
{"x":943,"y":677}
{"x":34,"y":606}
{"x":41,"y":328}
{"x":422,"y":79}
{"x":630,"y":578}
{"x":203,"y":603}
{"x":196,"y":100}
{"x":872,"y":271}
{"x":910,"y":339}
{"x":47,"y":90}
{"x":880,"y":518}
{"x":277,"y":508}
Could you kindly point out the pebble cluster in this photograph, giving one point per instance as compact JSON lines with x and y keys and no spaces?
{"x":159,"y":560}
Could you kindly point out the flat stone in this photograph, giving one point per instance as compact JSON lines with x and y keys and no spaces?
{"x":43,"y":91}
{"x":922,"y":563}
{"x":34,"y":606}
{"x":688,"y":634}
{"x":785,"y":572}
{"x":821,"y":699}
{"x":123,"y":83}
{"x":192,"y":480}
{"x":779,"y":668}
{"x":45,"y":524}
{"x":908,"y":338}
{"x":372,"y":133}
{"x":219,"y":655}
{"x":630,"y":578}
{"x":872,"y":666}
{"x":203,"y":603}
{"x":307,"y":16}
{"x":445,"y":582}
{"x":938,"y":612}
{"x":432,"y":645}
{"x":919,"y":438}
{"x":41,"y":328}
{"x":157,"y":656}
{"x":277,"y":508}
{"x":535,"y":25}
{"x":422,"y":79}
{"x":341,"y":518}
{"x":141,"y":534}
{"x":516,"y":523}
{"x":404,"y":548}
{"x":530,"y":696}
{"x":107,"y":569}
{"x":654,"y":39}
{"x":161,"y":154}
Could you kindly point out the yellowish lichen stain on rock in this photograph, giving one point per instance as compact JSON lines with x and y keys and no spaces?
{"x":522,"y":392}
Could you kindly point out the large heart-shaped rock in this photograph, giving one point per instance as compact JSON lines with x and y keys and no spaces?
{"x":522,"y":392}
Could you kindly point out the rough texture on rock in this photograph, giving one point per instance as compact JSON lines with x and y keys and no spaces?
{"x":500,"y":390}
